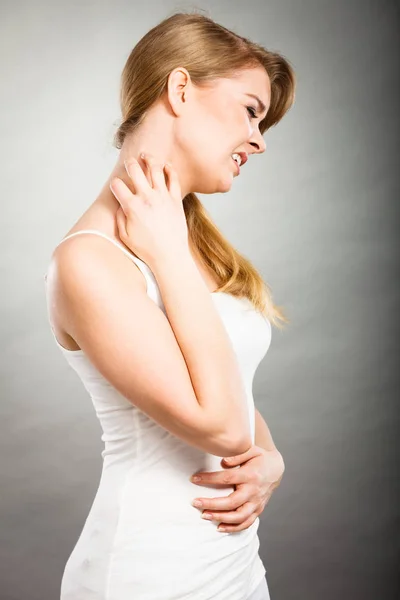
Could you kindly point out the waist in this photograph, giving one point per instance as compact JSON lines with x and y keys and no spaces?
{"x":156,"y":503}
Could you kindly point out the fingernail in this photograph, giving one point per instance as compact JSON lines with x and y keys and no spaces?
{"x":205,"y":515}
{"x":196,"y":478}
{"x":221,"y":528}
{"x":142,"y":155}
{"x":197,"y":503}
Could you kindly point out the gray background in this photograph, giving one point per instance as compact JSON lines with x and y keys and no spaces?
{"x":318,"y":215}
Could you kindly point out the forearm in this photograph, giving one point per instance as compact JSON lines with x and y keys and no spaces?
{"x":205,"y":345}
{"x":263,"y":437}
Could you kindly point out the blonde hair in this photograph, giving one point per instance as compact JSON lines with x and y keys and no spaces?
{"x":208,"y":51}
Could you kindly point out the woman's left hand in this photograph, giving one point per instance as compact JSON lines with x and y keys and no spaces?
{"x":260,"y":473}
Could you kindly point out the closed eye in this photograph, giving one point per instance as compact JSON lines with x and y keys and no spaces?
{"x":252,"y":112}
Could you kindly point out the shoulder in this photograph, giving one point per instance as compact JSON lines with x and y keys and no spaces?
{"x":88,"y":258}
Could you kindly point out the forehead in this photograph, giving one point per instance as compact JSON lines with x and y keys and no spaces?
{"x":250,"y":81}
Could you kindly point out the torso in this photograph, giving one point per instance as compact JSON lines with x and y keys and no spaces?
{"x":86,"y":222}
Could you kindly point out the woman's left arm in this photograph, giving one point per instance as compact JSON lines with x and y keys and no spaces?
{"x":260,"y":473}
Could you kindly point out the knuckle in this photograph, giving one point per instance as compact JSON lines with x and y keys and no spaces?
{"x":227,"y":478}
{"x":231,"y":504}
{"x":248,"y":510}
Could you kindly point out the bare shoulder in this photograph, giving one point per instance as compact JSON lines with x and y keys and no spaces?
{"x":87,"y":260}
{"x":90,"y":254}
{"x":99,"y":295}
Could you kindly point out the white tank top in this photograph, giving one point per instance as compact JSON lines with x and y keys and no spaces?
{"x":143,"y":539}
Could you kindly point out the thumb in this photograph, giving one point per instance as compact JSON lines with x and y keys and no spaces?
{"x":233,"y":461}
{"x":238,"y":459}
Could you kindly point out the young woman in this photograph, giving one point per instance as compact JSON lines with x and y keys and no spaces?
{"x":165,"y":323}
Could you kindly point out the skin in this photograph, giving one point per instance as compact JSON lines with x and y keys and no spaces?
{"x":191,"y":118}
{"x":197,"y":131}
{"x":261,"y":471}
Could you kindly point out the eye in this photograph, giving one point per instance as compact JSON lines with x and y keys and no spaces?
{"x":252,"y":112}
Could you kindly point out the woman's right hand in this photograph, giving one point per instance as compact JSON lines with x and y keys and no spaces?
{"x":151,"y":220}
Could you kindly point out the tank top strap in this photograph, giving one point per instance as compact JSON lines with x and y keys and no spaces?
{"x":140,"y":263}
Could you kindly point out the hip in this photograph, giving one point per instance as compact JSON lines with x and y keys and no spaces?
{"x":261,"y":592}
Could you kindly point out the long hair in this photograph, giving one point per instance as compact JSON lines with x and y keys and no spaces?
{"x":208,"y":51}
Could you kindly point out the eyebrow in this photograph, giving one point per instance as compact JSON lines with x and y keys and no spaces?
{"x":261,"y":105}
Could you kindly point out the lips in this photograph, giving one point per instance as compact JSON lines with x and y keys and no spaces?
{"x":236,"y":165}
{"x":243,"y":156}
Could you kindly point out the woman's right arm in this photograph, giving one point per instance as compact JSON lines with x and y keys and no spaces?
{"x":206,"y":347}
{"x":182,"y":370}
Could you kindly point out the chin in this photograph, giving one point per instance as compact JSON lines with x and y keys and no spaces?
{"x":220,"y":186}
{"x":225,"y":185}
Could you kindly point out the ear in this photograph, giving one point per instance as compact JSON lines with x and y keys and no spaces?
{"x":178,"y":87}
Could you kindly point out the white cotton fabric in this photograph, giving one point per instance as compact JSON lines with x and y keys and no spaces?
{"x":142,"y":539}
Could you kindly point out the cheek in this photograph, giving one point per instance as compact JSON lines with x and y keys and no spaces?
{"x":208,"y":137}
{"x":241,"y":125}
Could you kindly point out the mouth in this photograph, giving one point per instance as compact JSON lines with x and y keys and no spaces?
{"x":236,"y":165}
{"x":242,"y":159}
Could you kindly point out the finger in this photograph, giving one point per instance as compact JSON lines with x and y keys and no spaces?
{"x":135,"y":172}
{"x":173,"y":184}
{"x":145,"y":168}
{"x":225,"y":477}
{"x":235,"y":517}
{"x":123,"y":194}
{"x":232,"y":528}
{"x":155,"y":171}
{"x":241,"y":458}
{"x":230,"y":502}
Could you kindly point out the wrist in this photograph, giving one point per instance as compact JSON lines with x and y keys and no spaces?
{"x":171,"y":258}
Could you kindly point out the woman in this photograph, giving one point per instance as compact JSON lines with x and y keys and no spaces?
{"x":167,"y":324}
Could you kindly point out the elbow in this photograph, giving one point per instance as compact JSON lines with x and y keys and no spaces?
{"x":243,"y":445}
{"x":231,"y":441}
{"x":232,"y":446}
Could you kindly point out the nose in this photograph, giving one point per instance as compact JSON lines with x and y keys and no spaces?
{"x":258,"y":142}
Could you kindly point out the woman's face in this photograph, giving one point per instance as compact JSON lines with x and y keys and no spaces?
{"x":214,"y":123}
